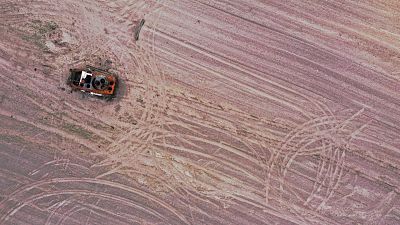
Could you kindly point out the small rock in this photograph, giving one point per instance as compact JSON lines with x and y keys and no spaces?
{"x":51,"y":46}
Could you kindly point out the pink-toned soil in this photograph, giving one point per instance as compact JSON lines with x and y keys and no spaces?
{"x":228,"y":112}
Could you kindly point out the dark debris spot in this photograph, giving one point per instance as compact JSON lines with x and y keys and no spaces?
{"x":140,"y":100}
{"x":117,"y":108}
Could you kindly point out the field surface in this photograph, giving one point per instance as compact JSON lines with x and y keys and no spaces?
{"x":227,"y":112}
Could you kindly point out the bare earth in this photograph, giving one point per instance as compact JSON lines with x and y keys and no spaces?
{"x":228,"y":112}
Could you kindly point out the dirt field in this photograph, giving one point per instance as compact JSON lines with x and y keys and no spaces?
{"x":228,"y":112}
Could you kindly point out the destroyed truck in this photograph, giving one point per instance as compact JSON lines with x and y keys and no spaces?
{"x":93,"y":81}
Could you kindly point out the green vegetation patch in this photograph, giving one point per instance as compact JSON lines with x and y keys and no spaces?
{"x":12,"y":139}
{"x":38,"y":31}
{"x":43,"y":28}
{"x":77,"y":130}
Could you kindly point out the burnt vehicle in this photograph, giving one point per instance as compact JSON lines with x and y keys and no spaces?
{"x":93,"y":81}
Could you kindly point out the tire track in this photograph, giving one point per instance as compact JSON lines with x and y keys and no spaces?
{"x":106,"y":183}
{"x":330,"y":148}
